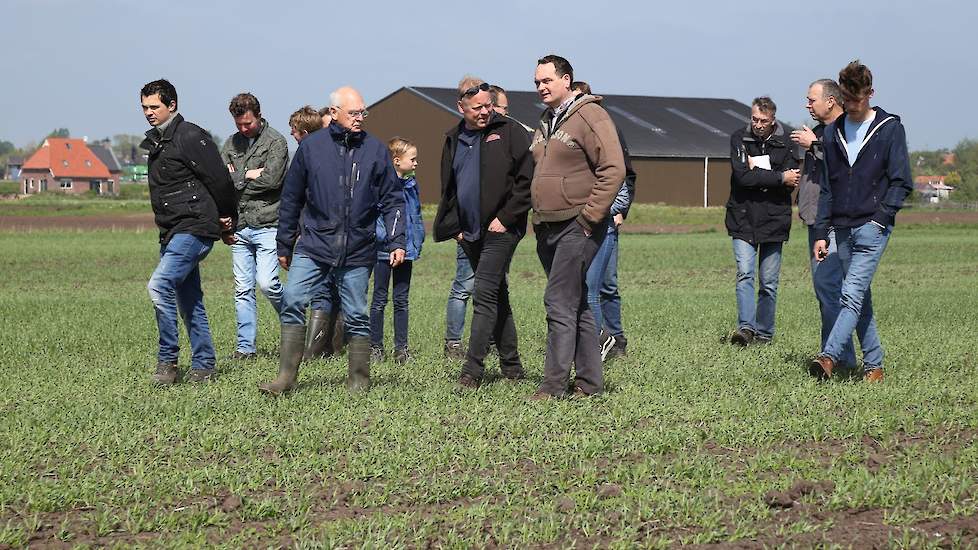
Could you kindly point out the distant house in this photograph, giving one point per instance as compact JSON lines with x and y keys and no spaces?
{"x":932,"y":188}
{"x":14,"y":165}
{"x":679,"y":146}
{"x":69,"y":166}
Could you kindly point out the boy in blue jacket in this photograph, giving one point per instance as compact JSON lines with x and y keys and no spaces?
{"x":405,"y":158}
{"x":864,"y":182}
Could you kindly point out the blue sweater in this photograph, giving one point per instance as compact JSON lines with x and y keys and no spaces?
{"x":871,"y":187}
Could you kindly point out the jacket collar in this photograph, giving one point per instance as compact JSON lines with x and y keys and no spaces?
{"x":344,"y":136}
{"x":153,"y":135}
{"x":777,"y":137}
{"x":549,"y":124}
{"x":882,"y":117}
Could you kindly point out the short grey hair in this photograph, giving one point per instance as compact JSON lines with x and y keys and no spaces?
{"x":829,"y":89}
{"x":765,"y":104}
{"x":334,"y":98}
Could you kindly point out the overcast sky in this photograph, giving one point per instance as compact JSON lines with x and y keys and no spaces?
{"x":80,"y":64}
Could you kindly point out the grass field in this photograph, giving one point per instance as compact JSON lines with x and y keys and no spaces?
{"x":694,"y":442}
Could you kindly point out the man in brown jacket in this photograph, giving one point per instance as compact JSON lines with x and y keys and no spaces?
{"x":579,"y":168}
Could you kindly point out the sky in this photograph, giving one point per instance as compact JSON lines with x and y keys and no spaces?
{"x":80,"y":64}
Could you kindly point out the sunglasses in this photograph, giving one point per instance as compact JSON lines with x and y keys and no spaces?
{"x":484,"y":87}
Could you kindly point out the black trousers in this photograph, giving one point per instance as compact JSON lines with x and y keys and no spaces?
{"x":492,"y":316}
{"x":572,"y":335}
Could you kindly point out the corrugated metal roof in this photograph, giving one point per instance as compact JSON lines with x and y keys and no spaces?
{"x":652,"y":126}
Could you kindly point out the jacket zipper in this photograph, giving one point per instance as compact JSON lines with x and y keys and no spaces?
{"x":397,"y":216}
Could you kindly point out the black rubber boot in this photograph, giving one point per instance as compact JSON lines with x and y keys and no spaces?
{"x":290,"y":355}
{"x":337,"y":332}
{"x":318,"y":336}
{"x":358,"y":355}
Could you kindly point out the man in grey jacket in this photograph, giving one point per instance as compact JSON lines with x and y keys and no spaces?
{"x":256,"y":157}
{"x":824,"y":103}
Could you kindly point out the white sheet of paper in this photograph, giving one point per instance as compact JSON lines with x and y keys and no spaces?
{"x":763,"y":162}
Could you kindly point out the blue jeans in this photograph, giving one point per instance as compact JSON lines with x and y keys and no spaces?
{"x":402,"y":286}
{"x":458,"y":296}
{"x":254,"y":258}
{"x":307,"y":275}
{"x":175,"y":284}
{"x":326,"y":297}
{"x":860,"y":250}
{"x":757,"y":316}
{"x":602,"y":285}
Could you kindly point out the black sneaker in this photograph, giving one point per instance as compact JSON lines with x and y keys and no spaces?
{"x":401,"y":356}
{"x":166,"y":374}
{"x":201,"y":376}
{"x":243,"y":355}
{"x":454,"y":350}
{"x":607,"y":342}
{"x":742,"y":337}
{"x":377,"y":354}
{"x":618,"y":350}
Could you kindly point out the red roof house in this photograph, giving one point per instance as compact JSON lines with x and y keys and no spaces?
{"x":69,"y":166}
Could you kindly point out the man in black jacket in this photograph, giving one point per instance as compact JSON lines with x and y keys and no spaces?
{"x":765,"y":172}
{"x":486,"y":168}
{"x":194,"y":205}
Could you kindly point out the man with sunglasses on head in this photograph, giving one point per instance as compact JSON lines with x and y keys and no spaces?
{"x":485,"y":172}
{"x":344,"y":179}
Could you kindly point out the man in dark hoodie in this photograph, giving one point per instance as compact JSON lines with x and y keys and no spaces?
{"x":344,"y":179}
{"x":579,"y":169}
{"x":194,"y":205}
{"x":864,"y":182}
{"x":824,"y":102}
{"x":486,"y":169}
{"x":764,"y":172}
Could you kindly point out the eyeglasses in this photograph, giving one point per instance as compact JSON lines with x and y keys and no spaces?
{"x":484,"y":87}
{"x":358,"y":114}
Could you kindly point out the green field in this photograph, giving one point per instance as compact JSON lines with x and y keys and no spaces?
{"x":694,"y":442}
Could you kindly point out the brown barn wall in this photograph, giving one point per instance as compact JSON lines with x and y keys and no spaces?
{"x":408,"y":116}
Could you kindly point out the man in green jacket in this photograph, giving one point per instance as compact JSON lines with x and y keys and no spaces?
{"x":256,"y":157}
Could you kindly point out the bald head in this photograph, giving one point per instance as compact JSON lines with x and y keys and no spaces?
{"x":347,"y":108}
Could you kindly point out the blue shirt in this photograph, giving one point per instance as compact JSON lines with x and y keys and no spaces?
{"x":855,"y":134}
{"x":466,"y":168}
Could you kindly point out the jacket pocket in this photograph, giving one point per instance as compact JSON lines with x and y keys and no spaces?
{"x":547,"y":193}
{"x":181,"y":201}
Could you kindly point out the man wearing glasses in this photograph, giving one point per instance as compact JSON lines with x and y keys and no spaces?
{"x":579,"y":169}
{"x":764,"y":165}
{"x":486,"y":170}
{"x":343,"y":178}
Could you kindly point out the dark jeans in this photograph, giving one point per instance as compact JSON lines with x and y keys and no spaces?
{"x":402,"y":285}
{"x":572,"y":336}
{"x":492,"y":316}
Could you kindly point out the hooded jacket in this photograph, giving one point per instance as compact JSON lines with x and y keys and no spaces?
{"x":189,"y":186}
{"x":258,"y":198}
{"x":870,"y":187}
{"x":505,"y":171}
{"x":413,"y":224}
{"x":580,"y":164}
{"x":759,"y":207}
{"x":344,"y":180}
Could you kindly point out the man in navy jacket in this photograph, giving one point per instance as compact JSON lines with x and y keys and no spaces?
{"x":864,"y":182}
{"x":339,"y":175}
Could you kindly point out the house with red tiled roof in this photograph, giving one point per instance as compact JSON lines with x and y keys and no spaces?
{"x":67,"y":165}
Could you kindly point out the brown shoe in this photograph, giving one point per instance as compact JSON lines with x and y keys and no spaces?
{"x":874,"y":376}
{"x":821,"y":367}
{"x":466,"y":382}
{"x":541,"y":395}
{"x":579,"y":393}
{"x":166,"y":374}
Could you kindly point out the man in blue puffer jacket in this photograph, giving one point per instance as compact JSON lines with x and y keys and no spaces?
{"x":865,"y":179}
{"x":339,"y":175}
